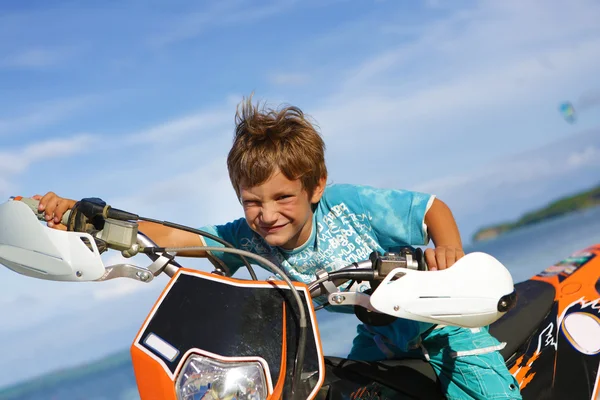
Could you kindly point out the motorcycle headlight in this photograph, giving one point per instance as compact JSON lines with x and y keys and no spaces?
{"x":209,"y":379}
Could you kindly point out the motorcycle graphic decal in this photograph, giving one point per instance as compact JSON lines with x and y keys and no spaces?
{"x":565,"y":350}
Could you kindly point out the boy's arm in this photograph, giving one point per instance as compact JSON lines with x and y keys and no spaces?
{"x":444,"y":233}
{"x":165,"y":236}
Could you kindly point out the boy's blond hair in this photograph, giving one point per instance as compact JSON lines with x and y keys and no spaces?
{"x":266,"y":140}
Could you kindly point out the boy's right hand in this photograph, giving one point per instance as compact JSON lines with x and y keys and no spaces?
{"x":54,"y":207}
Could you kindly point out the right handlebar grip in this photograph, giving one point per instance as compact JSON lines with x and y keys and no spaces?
{"x":420,"y":258}
{"x":33,"y":204}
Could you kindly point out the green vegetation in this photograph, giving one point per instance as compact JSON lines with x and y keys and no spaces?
{"x":565,"y":205}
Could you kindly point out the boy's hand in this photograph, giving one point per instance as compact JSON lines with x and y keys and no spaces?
{"x":54,"y":207}
{"x":442,"y":257}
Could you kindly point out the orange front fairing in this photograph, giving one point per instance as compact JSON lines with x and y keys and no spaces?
{"x":152,"y":380}
{"x":229,"y":320}
{"x":558,"y":356}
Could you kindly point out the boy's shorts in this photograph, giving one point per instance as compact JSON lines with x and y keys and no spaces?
{"x":466,"y":361}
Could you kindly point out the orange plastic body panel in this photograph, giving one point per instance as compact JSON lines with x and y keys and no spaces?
{"x":575,"y":285}
{"x":152,"y":381}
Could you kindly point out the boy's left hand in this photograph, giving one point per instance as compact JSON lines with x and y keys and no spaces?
{"x":442,"y":257}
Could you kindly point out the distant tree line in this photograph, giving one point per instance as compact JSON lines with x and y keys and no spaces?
{"x":562,"y":206}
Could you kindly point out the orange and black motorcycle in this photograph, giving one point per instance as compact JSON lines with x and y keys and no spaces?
{"x":211,"y":336}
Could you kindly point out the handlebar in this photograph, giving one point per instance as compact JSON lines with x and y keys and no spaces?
{"x":118,"y":230}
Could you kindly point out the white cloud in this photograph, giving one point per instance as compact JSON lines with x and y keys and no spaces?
{"x":499,"y":58}
{"x":18,"y":160}
{"x":71,"y":335}
{"x":455,"y":91}
{"x":198,"y":196}
{"x":538,"y":164}
{"x":221,"y":13}
{"x":588,"y":156}
{"x":44,"y":114}
{"x":15,"y":163}
{"x":40,"y":300}
{"x":200,"y":124}
{"x":505,"y":188}
{"x":118,"y":288}
{"x":35,"y":58}
{"x":178,"y":142}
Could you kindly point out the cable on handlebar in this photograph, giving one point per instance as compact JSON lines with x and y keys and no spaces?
{"x":359,"y":274}
{"x":205,"y":234}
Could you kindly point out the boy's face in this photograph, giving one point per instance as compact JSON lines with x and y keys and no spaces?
{"x":280,"y":210}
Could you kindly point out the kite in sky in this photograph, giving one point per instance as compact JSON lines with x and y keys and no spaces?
{"x":568,"y":111}
{"x":587,"y":100}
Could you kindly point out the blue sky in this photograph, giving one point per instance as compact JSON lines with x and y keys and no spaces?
{"x":458,"y":100}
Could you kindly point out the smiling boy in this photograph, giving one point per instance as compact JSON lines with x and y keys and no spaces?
{"x":291,"y":217}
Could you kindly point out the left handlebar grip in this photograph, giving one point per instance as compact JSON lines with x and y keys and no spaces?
{"x":33,"y":204}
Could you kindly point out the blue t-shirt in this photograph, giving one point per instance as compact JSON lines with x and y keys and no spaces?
{"x":349,"y":223}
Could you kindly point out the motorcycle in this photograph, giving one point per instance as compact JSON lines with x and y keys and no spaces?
{"x":212,"y":336}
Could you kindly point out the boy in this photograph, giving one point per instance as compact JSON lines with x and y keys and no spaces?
{"x":277,"y":168}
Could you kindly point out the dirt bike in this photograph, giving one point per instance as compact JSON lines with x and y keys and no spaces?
{"x":211,"y":336}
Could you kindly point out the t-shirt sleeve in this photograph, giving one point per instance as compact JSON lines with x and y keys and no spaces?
{"x":232,"y":232}
{"x":397,"y":217}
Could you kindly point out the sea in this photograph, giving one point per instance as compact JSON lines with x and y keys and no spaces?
{"x":525,"y":252}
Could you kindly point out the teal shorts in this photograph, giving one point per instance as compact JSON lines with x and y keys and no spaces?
{"x":467,"y":362}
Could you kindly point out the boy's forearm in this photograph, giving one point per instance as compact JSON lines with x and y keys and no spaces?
{"x":165,"y":236}
{"x":441,"y":225}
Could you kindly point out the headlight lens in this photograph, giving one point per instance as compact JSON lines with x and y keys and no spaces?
{"x":204,"y":378}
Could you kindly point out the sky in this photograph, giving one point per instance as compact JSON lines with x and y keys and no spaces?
{"x":134,"y":101}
